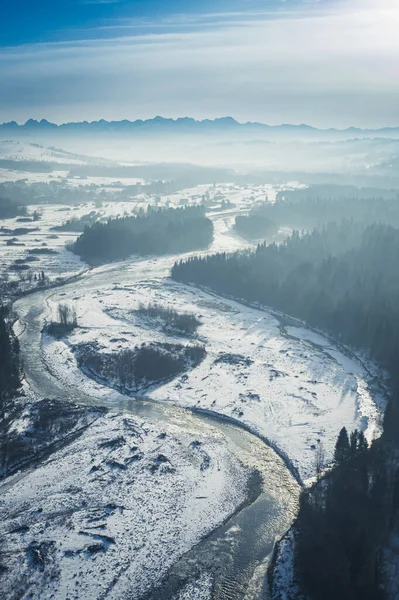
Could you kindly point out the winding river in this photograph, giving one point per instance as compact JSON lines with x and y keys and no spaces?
{"x":236,"y":554}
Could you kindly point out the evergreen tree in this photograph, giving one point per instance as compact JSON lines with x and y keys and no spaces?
{"x":341,"y":452}
{"x":362,"y":445}
{"x":353,"y":443}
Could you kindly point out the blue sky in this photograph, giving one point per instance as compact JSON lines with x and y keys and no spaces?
{"x":324,"y":62}
{"x":32,"y":21}
{"x":27,"y":21}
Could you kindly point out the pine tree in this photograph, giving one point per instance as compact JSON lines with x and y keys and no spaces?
{"x":353,"y":443}
{"x":342,"y":448}
{"x":362,"y":444}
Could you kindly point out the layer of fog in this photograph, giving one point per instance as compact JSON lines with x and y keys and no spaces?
{"x":243,"y":152}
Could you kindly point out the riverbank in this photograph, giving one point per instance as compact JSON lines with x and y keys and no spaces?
{"x":109,"y":513}
{"x":248,"y":450}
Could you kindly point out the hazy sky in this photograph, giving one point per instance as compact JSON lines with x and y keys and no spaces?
{"x":326,"y":62}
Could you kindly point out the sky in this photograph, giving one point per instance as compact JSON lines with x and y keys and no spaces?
{"x":328,"y":63}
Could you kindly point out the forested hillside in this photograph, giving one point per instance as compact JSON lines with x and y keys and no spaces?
{"x":343,"y":522}
{"x":154,"y":232}
{"x":9,"y":360}
{"x":343,"y":279}
{"x":321,"y":204}
{"x":10,"y":381}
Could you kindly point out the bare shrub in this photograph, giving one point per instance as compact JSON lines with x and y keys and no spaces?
{"x":67,"y":315}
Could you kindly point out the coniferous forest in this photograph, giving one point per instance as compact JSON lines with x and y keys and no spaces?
{"x":257,"y":224}
{"x":321,"y":204}
{"x":154,"y":232}
{"x":343,"y":279}
{"x":9,"y":359}
{"x":10,"y":380}
{"x":10,"y":209}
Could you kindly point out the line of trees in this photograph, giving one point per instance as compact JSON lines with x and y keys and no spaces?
{"x":10,"y":209}
{"x":78,"y":224}
{"x":10,"y":376}
{"x":10,"y":380}
{"x":314,"y":207}
{"x":342,"y":278}
{"x":154,"y":232}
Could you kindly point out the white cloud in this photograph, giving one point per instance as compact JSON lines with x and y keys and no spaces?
{"x":337,"y":68}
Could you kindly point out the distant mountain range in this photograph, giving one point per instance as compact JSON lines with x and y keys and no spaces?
{"x":186,"y":124}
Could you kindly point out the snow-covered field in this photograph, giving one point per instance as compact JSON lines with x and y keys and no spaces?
{"x":58,"y":262}
{"x":21,"y":150}
{"x":111,"y":512}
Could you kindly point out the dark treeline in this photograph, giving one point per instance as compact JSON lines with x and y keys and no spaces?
{"x":313,"y":207}
{"x":10,"y":209}
{"x":331,"y":190}
{"x":9,"y":359}
{"x":155,"y":232}
{"x":10,"y":381}
{"x":18,"y":230}
{"x":55,"y":191}
{"x":188,"y":174}
{"x":60,"y":191}
{"x":255,"y":225}
{"x":27,"y":166}
{"x":344,"y":280}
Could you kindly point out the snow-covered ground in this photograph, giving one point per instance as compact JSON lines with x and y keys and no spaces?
{"x":21,"y":150}
{"x":284,"y":585}
{"x":111,"y":512}
{"x":291,"y":386}
{"x":58,"y":262}
{"x":64,"y":263}
{"x":287,"y":384}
